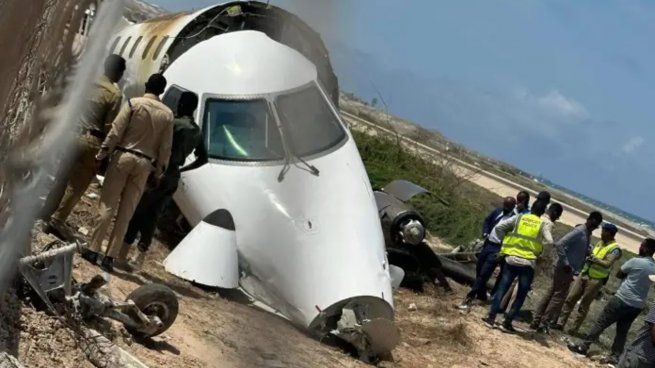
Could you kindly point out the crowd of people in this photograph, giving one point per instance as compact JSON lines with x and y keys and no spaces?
{"x":516,"y":236}
{"x":143,"y":146}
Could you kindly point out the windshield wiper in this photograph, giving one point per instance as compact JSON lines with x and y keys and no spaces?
{"x":290,"y":152}
{"x":287,"y":165}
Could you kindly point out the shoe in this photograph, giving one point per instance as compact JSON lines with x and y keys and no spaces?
{"x":489,"y":322}
{"x":612,"y":360}
{"x":577,"y":348}
{"x":535,"y":326}
{"x":507,"y":326}
{"x":107,"y":264}
{"x":143,"y":247}
{"x":90,"y":256}
{"x":123,"y":266}
{"x":466,"y":304}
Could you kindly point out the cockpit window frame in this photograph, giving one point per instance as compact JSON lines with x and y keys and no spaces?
{"x":240,"y":162}
{"x":270,"y":98}
{"x":335,"y":113}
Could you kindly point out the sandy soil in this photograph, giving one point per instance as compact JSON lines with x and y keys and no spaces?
{"x":213,"y":331}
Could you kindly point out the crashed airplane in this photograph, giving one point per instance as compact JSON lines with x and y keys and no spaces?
{"x":284,"y":209}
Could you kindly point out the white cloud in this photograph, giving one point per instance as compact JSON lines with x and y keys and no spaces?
{"x":561,"y":105}
{"x":555,"y":104}
{"x":632,"y":145}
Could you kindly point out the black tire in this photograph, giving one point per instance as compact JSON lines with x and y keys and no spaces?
{"x":155,"y":299}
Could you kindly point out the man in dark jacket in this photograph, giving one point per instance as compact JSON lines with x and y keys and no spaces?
{"x":487,"y":258}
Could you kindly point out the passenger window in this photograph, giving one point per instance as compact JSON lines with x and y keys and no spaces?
{"x":112,"y":49}
{"x":148,"y":46}
{"x":127,"y":42}
{"x":136,"y":44}
{"x":172,"y":97}
{"x":160,"y":47}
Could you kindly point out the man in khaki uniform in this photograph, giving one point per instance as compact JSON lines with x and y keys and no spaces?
{"x":187,"y":138}
{"x":103,"y":106}
{"x":140,"y":144}
{"x":595,"y":273}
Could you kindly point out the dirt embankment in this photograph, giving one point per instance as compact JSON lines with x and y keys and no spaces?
{"x":215,"y":331}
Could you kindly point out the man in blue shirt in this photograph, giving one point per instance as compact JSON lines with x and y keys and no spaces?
{"x":627,"y":303}
{"x":487,"y":258}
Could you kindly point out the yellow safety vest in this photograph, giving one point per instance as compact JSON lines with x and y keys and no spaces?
{"x":596,"y":271}
{"x":523,"y":241}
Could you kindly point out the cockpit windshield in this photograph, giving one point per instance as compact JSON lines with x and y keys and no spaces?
{"x":242,"y":130}
{"x":246,"y":130}
{"x":311,"y":125}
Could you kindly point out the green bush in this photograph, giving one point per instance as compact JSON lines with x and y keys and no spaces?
{"x":454,"y":210}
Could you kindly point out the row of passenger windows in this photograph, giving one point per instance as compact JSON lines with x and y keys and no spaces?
{"x":135,"y":45}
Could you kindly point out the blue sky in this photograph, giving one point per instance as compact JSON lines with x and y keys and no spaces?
{"x":559,"y":88}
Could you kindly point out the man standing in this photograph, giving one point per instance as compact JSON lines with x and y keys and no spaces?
{"x":526,"y":237}
{"x":487,"y":258}
{"x":186,"y":138}
{"x":592,"y":278}
{"x":95,"y":122}
{"x":572,"y":250}
{"x":140,"y":142}
{"x":500,"y":213}
{"x":544,"y":196}
{"x":628,"y":302}
{"x":522,"y":203}
{"x":553,"y":213}
{"x":641,"y":352}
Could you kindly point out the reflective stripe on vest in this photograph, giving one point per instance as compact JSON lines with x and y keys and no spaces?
{"x":596,"y":271}
{"x":523,"y":241}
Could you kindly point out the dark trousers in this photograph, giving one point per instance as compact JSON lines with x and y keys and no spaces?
{"x":152,"y":204}
{"x":487,"y":262}
{"x":525,"y":274}
{"x":615,"y":311}
{"x":550,"y":307}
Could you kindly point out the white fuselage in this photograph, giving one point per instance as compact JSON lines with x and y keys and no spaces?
{"x":311,"y":241}
{"x":306,"y":243}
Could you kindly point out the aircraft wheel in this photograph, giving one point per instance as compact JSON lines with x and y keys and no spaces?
{"x":155,"y":300}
